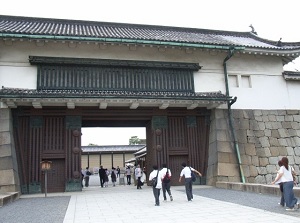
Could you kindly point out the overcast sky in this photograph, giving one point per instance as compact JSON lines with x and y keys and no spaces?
{"x":272,"y":19}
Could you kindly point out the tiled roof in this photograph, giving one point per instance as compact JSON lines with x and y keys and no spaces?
{"x":291,"y":75}
{"x":32,"y":93}
{"x":23,"y":27}
{"x":115,"y":148}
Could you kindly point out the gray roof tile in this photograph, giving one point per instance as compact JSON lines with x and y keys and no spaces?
{"x":75,"y":28}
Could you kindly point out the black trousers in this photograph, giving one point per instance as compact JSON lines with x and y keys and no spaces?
{"x":156,"y":193}
{"x":166,"y":188}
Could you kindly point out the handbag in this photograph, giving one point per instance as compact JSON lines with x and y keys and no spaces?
{"x":193,"y":175}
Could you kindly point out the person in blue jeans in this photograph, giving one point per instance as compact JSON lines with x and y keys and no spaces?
{"x":187,"y":173}
{"x":285,"y":174}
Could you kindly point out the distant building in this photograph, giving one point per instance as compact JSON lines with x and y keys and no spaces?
{"x":108,"y":156}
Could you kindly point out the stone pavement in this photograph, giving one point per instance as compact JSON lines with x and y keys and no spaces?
{"x":125,"y":203}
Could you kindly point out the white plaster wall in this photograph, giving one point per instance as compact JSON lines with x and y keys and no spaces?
{"x":269,"y":90}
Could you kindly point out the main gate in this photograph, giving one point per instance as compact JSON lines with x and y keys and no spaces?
{"x":173,"y":136}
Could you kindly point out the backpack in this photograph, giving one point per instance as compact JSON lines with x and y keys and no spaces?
{"x":154,"y":180}
{"x":167,"y":177}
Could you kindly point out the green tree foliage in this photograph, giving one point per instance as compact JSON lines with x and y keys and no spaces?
{"x":134,"y":140}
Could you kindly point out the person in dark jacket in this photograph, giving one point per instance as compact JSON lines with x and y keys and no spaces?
{"x":102,"y":175}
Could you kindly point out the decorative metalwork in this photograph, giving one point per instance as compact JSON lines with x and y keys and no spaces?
{"x":159,"y":122}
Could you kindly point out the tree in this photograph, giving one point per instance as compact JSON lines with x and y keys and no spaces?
{"x":134,"y":140}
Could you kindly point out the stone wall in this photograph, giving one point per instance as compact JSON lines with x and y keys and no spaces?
{"x":9,"y":179}
{"x":264,"y":137}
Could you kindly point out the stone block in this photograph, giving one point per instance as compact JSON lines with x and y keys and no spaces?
{"x":282,"y":142}
{"x":253,"y":171}
{"x":224,"y":157}
{"x":253,"y":125}
{"x":274,"y":151}
{"x":276,"y":125}
{"x":6,"y":163}
{"x":258,"y":118}
{"x":290,"y":142}
{"x":282,"y":151}
{"x":286,"y":125}
{"x":268,"y":132}
{"x":264,"y":141}
{"x":265,"y":118}
{"x":262,"y":170}
{"x":7,"y":177}
{"x":4,"y":113}
{"x":223,"y":135}
{"x":292,"y":112}
{"x":250,"y":149}
{"x":271,"y":169}
{"x":222,"y":185}
{"x":296,"y":118}
{"x":245,"y":159}
{"x":272,"y":118}
{"x":257,"y":113}
{"x":244,"y":124}
{"x":275,"y":133}
{"x":241,"y":136}
{"x":263,"y":161}
{"x":226,"y":147}
{"x":5,"y":138}
{"x":288,"y":118}
{"x":246,"y":170}
{"x":295,"y":125}
{"x":252,"y":187}
{"x":280,"y":118}
{"x":5,"y":150}
{"x":283,"y":133}
{"x":260,"y":179}
{"x":266,"y":189}
{"x":292,"y":132}
{"x":259,"y":133}
{"x":274,"y":141}
{"x":297,"y":151}
{"x":255,"y":161}
{"x":261,"y":125}
{"x":228,"y":169}
{"x":222,"y":124}
{"x":5,"y":125}
{"x":236,"y":186}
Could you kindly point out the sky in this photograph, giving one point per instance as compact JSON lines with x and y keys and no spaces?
{"x":272,"y":19}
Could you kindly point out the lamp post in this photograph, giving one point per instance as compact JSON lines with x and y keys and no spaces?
{"x":46,"y":165}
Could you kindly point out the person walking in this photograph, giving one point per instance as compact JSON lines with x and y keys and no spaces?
{"x":128,"y":175}
{"x":138,"y":174}
{"x":156,"y":188}
{"x":87,"y":176}
{"x":102,"y":175}
{"x":187,"y":173}
{"x":113,"y":176}
{"x":118,"y":171}
{"x":286,"y":177}
{"x":282,"y":202}
{"x":166,"y":182}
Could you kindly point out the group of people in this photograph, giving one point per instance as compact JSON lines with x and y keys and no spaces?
{"x":104,"y":173}
{"x":162,"y":180}
{"x":286,"y":180}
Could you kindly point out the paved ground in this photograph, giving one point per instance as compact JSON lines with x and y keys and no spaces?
{"x":127,"y":204}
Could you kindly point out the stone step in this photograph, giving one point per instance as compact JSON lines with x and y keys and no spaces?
{"x":257,"y":188}
{"x":8,"y":197}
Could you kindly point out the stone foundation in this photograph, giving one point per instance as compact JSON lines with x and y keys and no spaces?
{"x":9,"y":180}
{"x":264,"y":137}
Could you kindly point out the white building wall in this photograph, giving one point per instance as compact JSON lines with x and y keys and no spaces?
{"x":255,"y":80}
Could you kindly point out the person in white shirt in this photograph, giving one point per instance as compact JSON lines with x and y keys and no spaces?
{"x":166,"y":182}
{"x":187,"y":173}
{"x":286,"y":177}
{"x":156,"y":189}
{"x":138,"y":175}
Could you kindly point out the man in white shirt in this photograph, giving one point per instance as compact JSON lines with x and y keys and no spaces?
{"x":187,"y":173}
{"x":156,"y":189}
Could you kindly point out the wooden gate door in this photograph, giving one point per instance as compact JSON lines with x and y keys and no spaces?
{"x":175,"y":166}
{"x":55,"y":177}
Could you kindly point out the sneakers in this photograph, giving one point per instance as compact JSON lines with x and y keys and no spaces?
{"x":156,"y":204}
{"x":297,"y":206}
{"x":281,"y":205}
{"x":171,"y":198}
{"x":291,"y":209}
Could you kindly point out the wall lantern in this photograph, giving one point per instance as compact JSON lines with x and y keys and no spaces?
{"x":46,"y":166}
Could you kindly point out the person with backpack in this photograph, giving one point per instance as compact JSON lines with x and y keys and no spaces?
{"x":187,"y":173}
{"x":155,"y":179}
{"x":166,"y":182}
